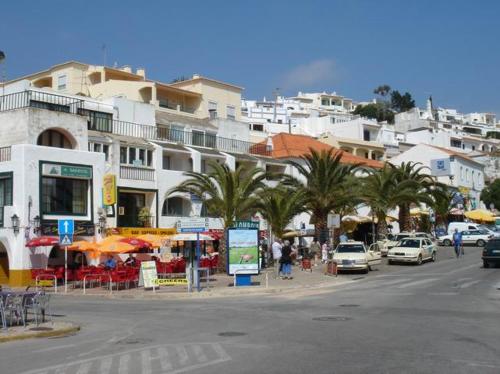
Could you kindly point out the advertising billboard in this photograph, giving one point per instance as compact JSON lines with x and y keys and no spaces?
{"x":243,"y":251}
{"x":440,"y":167}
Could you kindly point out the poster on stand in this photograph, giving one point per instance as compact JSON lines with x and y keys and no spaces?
{"x":243,"y":251}
{"x":148,"y":275}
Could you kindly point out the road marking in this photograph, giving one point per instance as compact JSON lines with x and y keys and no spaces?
{"x":164,"y":359}
{"x":417,"y":283}
{"x":146,"y":361}
{"x":106,"y":363}
{"x":53,"y":348}
{"x":124,"y":364}
{"x":200,"y":355}
{"x":84,"y":368}
{"x":182,"y":353}
{"x":468,"y":284}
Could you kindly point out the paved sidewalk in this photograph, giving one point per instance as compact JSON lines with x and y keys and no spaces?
{"x":43,"y":330}
{"x":221,"y":285}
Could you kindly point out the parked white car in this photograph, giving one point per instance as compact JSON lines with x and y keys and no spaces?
{"x":474,"y":237}
{"x":387,"y":244}
{"x":354,"y":256}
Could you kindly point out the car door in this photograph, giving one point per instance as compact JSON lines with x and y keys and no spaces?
{"x":466,"y":237}
{"x":427,"y":248}
{"x":473,"y":236}
{"x":374,"y":255}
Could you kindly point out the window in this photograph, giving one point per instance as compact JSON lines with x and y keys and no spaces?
{"x":131,"y":155}
{"x":177,"y":133}
{"x":64,"y":196}
{"x":455,"y":143}
{"x":163,"y":103}
{"x":366,"y":135}
{"x":212,"y":109}
{"x":325,"y":102}
{"x":231,"y":112}
{"x":61,"y":82}
{"x":473,"y":147}
{"x":123,"y":155}
{"x":210,"y":140}
{"x":198,"y":138}
{"x":5,"y":190}
{"x":98,"y":121}
{"x":53,"y":138}
{"x":99,"y":147}
{"x":166,"y":162}
{"x":149,"y":158}
{"x":175,"y":206}
{"x":258,"y":127}
{"x":136,"y":156}
{"x":280,"y":121}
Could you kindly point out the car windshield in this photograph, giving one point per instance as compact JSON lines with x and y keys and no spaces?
{"x":400,"y":237}
{"x":409,"y":243}
{"x":356,"y":248}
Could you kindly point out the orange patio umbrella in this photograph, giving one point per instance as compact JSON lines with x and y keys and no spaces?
{"x":155,"y":240}
{"x":115,"y":247}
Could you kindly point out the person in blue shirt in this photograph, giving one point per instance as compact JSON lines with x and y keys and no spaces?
{"x":457,"y":242}
{"x":110,"y":263}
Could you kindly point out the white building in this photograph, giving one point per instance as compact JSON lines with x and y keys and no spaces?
{"x":466,"y":174}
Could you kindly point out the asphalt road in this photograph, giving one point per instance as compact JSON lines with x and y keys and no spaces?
{"x":441,"y":317}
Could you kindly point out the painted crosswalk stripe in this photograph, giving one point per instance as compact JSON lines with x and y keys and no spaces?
{"x":106,"y":365}
{"x":417,"y":283}
{"x":182,"y":353}
{"x":146,"y":361}
{"x":164,"y":359}
{"x":200,"y":355}
{"x":124,"y":364}
{"x":84,"y":368}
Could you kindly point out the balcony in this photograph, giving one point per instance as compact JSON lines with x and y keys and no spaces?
{"x":41,"y":100}
{"x":5,"y":154}
{"x":137,"y":173}
{"x":195,"y":138}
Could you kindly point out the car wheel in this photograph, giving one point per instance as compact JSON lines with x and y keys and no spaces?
{"x":480,"y":243}
{"x":434,"y":256}
{"x":486,"y":265}
{"x":419,"y":260}
{"x":447,"y":242}
{"x":390,"y":262}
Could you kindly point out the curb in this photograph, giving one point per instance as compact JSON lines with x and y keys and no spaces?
{"x":41,"y":334}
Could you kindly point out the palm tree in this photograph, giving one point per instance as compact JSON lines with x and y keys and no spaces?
{"x":279,"y":205}
{"x":230,"y":195}
{"x":382,"y":191}
{"x":443,"y":197}
{"x":413,"y":174}
{"x":322,"y":182}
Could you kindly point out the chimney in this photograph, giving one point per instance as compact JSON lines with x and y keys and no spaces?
{"x":141,"y":72}
{"x":126,"y":68}
{"x":269,"y":144}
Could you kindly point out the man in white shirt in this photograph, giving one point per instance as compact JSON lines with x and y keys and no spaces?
{"x":276,"y":247}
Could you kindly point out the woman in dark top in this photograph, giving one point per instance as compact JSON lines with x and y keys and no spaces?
{"x":286,"y":260}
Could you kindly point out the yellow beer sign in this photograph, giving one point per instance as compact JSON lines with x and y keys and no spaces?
{"x":109,"y":189}
{"x":135,"y":231}
{"x":171,"y":282}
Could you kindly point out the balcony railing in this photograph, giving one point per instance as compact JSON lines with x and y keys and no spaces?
{"x":137,"y":173}
{"x":5,"y":154}
{"x":194,"y":138}
{"x":42,"y":100}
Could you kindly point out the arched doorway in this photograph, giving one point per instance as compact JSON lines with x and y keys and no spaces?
{"x":54,"y":138}
{"x":4,"y":264}
{"x":176,"y":206}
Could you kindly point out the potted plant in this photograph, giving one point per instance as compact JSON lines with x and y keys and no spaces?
{"x":144,"y":217}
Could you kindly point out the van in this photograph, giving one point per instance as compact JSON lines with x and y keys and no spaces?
{"x":462,"y":226}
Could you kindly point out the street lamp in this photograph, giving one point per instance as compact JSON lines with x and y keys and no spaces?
{"x":36,"y":224}
{"x":15,"y":223}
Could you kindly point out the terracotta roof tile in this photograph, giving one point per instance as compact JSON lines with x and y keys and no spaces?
{"x":293,"y":146}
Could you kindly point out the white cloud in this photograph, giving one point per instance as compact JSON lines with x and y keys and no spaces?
{"x":318,"y":72}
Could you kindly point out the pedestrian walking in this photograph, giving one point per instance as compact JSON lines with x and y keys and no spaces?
{"x":324,"y":253}
{"x":457,"y":243}
{"x":276,"y":248}
{"x":315,"y":250}
{"x":286,"y":260}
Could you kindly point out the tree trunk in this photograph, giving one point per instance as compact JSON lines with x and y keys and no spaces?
{"x":404,"y":218}
{"x":221,"y":264}
{"x":321,"y":229}
{"x":381,"y":227}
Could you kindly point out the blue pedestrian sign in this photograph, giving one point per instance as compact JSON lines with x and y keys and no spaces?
{"x":66,"y":227}
{"x":65,"y":240}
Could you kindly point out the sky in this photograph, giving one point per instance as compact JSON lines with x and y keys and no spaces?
{"x":447,"y":49}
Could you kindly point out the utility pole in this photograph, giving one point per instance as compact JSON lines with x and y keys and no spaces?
{"x":275,"y":93}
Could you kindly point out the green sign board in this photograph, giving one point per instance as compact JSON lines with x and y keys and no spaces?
{"x":54,"y":170}
{"x":246,"y":225}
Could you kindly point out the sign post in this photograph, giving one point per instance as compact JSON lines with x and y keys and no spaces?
{"x":65,"y":228}
{"x":193,"y":225}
